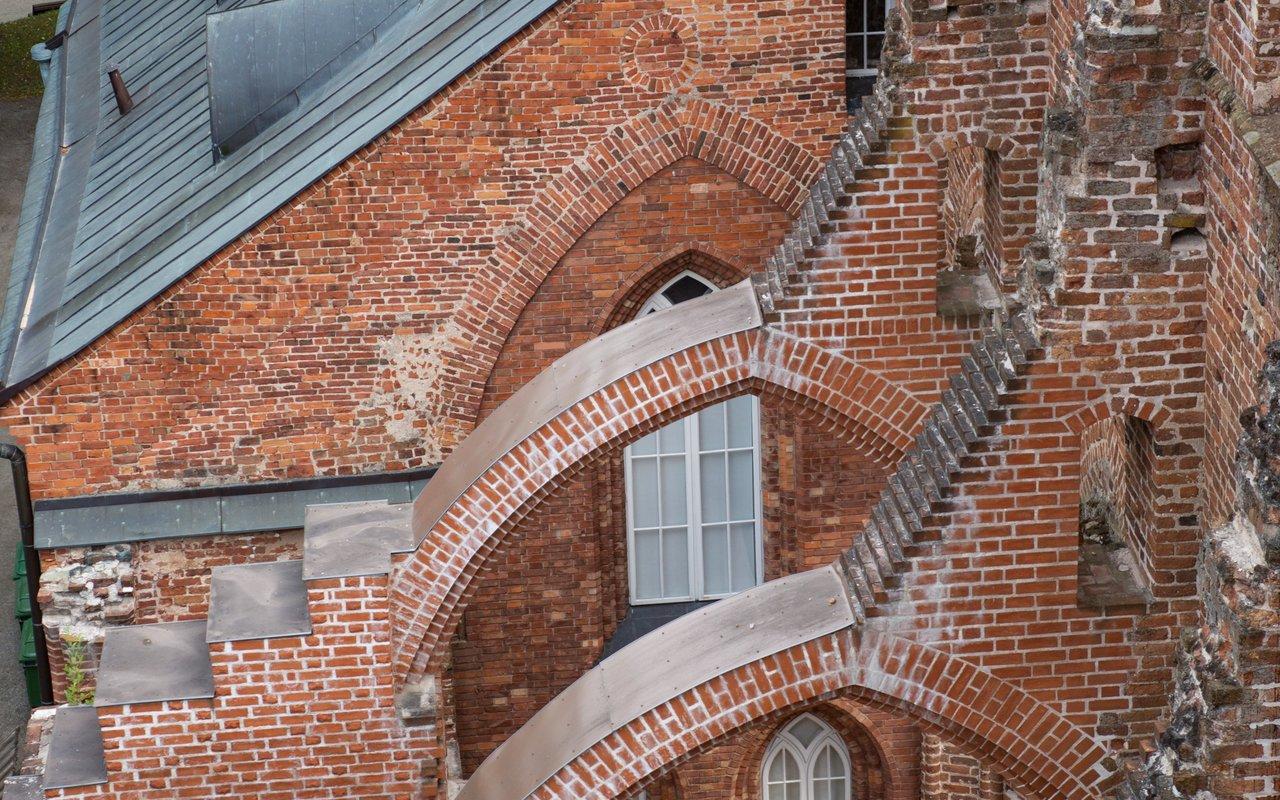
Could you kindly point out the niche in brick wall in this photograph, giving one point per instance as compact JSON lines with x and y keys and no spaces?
{"x":1117,"y":513}
{"x":972,"y":232}
{"x":1181,"y":198}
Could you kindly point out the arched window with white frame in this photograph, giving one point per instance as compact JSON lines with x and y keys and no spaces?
{"x":693,"y":493}
{"x":807,"y":760}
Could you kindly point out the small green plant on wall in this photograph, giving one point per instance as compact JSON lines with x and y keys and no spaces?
{"x":77,"y":693}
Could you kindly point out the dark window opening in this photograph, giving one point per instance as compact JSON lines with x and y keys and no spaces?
{"x":864,"y":40}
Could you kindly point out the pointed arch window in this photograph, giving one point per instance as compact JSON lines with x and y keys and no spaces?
{"x":693,"y":493}
{"x":807,"y":760}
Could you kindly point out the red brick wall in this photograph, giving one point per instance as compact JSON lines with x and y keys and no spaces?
{"x":293,"y":716}
{"x":322,"y":341}
{"x":1242,"y":300}
{"x":951,"y":774}
{"x":548,"y":602}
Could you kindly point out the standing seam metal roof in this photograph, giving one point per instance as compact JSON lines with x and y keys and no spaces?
{"x":119,"y":208}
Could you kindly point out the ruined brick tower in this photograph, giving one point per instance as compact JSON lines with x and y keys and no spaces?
{"x":677,"y":399}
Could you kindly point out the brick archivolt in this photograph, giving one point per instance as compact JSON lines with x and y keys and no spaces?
{"x":432,"y":585}
{"x":1034,"y":748}
{"x":629,"y":154}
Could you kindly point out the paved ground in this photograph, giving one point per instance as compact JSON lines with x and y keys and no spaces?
{"x":17,"y":126}
{"x":14,"y":9}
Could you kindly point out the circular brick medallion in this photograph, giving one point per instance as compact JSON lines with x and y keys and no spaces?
{"x":659,"y":53}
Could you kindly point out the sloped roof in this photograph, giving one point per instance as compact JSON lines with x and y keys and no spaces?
{"x":119,"y":208}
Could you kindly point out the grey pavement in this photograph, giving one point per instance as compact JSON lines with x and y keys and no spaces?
{"x":17,"y":127}
{"x":14,"y":9}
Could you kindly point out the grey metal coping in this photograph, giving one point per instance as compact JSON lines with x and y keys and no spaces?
{"x":75,"y":750}
{"x":257,"y":601}
{"x":664,"y":664}
{"x":214,"y":510}
{"x":349,"y":539}
{"x":152,"y":663}
{"x":576,"y":375}
{"x":127,"y":206}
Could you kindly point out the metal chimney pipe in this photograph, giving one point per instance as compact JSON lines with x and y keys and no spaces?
{"x":123,"y":101}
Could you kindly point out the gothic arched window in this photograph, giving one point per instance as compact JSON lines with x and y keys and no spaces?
{"x":807,"y":760}
{"x":693,"y":493}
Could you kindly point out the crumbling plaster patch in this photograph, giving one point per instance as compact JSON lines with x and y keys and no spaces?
{"x":406,"y":395}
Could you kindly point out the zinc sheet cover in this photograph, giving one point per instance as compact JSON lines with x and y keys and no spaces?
{"x":122,"y":207}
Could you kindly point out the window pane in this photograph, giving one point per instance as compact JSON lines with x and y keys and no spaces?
{"x":675,"y":506}
{"x":686,"y":288}
{"x":742,"y":485}
{"x":743,"y":548}
{"x":741,"y":412}
{"x":675,"y":562}
{"x":853,"y":53}
{"x":821,"y":791}
{"x":715,"y":498}
{"x":644,"y":492}
{"x":875,"y":16}
{"x":805,"y":729}
{"x":822,"y":765}
{"x":775,"y":768}
{"x":646,"y":446}
{"x":874,"y":45}
{"x":648,"y":566}
{"x":711,"y":428}
{"x":715,"y":559}
{"x":837,"y":789}
{"x":792,"y":767}
{"x":671,"y":437}
{"x":854,"y":15}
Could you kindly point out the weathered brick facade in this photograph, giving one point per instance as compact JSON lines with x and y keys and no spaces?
{"x":1097,"y":164}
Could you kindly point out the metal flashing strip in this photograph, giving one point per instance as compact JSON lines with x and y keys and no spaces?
{"x":348,"y":539}
{"x":75,"y":750}
{"x":152,"y":663}
{"x":257,"y":601}
{"x":576,"y":376}
{"x":224,"y":510}
{"x":665,"y":664}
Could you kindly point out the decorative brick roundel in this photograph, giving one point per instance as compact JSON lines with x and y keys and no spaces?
{"x":659,"y":53}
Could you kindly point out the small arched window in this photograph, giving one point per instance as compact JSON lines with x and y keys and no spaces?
{"x":807,"y":760}
{"x":693,"y":493}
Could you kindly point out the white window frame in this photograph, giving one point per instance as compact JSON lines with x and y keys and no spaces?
{"x":658,"y":300}
{"x":693,"y":513}
{"x":693,"y":485}
{"x":806,"y":757}
{"x":861,"y":36}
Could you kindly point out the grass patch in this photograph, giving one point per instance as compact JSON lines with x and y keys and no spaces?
{"x":19,"y":75}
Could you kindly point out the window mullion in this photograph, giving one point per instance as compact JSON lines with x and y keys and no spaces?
{"x":694,"y":513}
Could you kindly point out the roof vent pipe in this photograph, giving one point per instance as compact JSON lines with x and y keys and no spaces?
{"x":42,"y":55}
{"x":123,"y":101}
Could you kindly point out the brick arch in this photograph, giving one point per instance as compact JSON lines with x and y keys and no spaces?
{"x":1115,"y":405}
{"x":704,"y":258}
{"x":434,"y":582}
{"x":627,"y":156}
{"x":1037,"y":749}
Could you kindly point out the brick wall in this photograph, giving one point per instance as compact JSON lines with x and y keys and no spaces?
{"x":950,"y":773}
{"x":323,"y":342}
